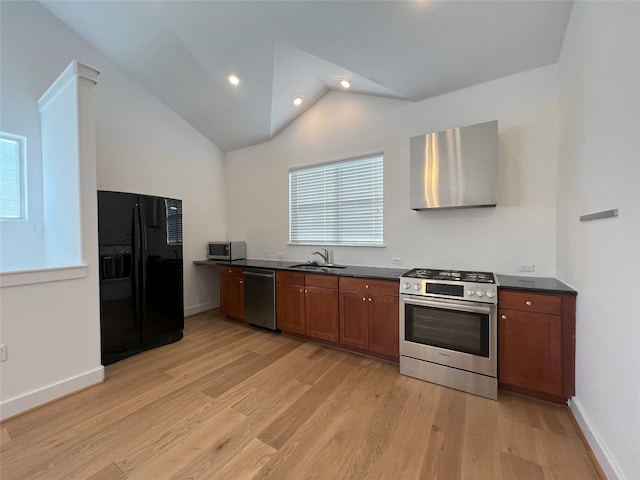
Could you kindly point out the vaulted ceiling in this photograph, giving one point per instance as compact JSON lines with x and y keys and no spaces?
{"x":183,"y":51}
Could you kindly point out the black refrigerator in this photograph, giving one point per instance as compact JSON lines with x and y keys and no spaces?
{"x":141,"y":297}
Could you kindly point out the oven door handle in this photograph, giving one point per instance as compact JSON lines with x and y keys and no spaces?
{"x":460,"y":306}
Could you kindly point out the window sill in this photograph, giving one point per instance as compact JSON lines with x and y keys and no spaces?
{"x":42,"y":275}
{"x":316,"y":244}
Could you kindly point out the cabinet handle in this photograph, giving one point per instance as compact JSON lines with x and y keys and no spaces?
{"x":364,"y":299}
{"x":241,"y":281}
{"x":366,"y":286}
{"x":370,"y":299}
{"x":300,"y":290}
{"x":503,"y":317}
{"x":230,"y":271}
{"x":306,"y":291}
{"x":528,"y":303}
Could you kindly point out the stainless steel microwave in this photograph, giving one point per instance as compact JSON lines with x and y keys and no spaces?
{"x":226,"y":250}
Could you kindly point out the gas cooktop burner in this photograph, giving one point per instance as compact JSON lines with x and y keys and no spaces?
{"x":451,"y":275}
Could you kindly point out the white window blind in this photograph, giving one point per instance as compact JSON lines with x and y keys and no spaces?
{"x":174,"y":221}
{"x":12,"y":188}
{"x":337,"y":203}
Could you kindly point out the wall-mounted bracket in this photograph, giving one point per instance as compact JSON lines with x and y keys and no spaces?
{"x":599,"y":215}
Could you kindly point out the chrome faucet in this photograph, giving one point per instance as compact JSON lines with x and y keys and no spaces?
{"x":325,"y":255}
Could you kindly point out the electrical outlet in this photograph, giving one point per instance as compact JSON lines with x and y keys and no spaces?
{"x":280,"y":255}
{"x":3,"y":352}
{"x":525,"y":267}
{"x":267,"y":253}
{"x":396,"y":261}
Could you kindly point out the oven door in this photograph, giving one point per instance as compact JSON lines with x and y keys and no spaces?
{"x":448,"y":332}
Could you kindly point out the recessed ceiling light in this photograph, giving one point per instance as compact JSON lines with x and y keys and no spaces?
{"x":345,"y":83}
{"x":233,"y":79}
{"x":297,"y":100}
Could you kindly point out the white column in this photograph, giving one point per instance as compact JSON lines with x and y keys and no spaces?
{"x":69,"y":167}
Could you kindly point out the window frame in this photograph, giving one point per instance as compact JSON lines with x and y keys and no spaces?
{"x":22,"y":165}
{"x":374,"y":240}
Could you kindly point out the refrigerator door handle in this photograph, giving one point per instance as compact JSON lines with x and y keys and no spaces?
{"x":136,"y":262}
{"x":144,"y":254}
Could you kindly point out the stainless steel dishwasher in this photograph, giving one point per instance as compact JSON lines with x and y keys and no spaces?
{"x":260,"y":297}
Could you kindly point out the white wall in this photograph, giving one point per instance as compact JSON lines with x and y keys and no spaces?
{"x":599,"y":169}
{"x":52,"y":355}
{"x":21,"y":242}
{"x":341,"y":125}
{"x":142,"y":146}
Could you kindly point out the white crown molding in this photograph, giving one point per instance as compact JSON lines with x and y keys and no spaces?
{"x":75,"y":70}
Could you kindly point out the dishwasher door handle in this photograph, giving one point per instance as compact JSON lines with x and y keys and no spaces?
{"x":255,"y":274}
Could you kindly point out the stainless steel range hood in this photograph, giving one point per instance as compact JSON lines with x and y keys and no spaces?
{"x":456,"y":168}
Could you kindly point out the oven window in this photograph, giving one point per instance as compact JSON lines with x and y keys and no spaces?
{"x":457,"y":330}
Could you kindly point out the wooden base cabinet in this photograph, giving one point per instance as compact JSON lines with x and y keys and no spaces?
{"x":307,"y":304}
{"x":369,"y":315}
{"x":354,"y":320}
{"x":383,"y":324}
{"x":536,"y":344}
{"x":290,"y":302}
{"x":321,"y":309}
{"x":232,"y":292}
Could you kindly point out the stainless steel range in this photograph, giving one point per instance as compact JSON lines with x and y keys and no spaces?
{"x":448,"y":329}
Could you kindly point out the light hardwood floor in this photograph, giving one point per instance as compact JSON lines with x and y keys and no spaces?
{"x":233,"y":402}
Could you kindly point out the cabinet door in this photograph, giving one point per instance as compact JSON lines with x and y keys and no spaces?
{"x":530,"y":351}
{"x":290,"y":307}
{"x":322,"y":313}
{"x":354,"y":319}
{"x":232,"y":297}
{"x":384,"y":325}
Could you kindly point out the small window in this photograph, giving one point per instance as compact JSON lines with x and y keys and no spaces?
{"x":12,"y":177}
{"x":338,"y":203}
{"x":174,"y":221}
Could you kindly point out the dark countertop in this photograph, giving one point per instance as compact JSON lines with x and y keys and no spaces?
{"x":534,"y":284}
{"x":350,"y":270}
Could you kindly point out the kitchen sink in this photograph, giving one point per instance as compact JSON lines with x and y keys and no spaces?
{"x":320,"y":268}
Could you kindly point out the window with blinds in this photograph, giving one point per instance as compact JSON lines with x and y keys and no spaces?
{"x":12,"y":188}
{"x":338,"y":203}
{"x":173,"y":209}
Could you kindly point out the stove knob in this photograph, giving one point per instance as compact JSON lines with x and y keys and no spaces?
{"x":470,"y":292}
{"x":417,"y":287}
{"x":480,"y":293}
{"x":490,"y":294}
{"x":407,"y":286}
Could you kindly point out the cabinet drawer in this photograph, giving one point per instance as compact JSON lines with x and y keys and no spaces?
{"x":366,"y":285}
{"x":530,"y":302}
{"x":227,"y":271}
{"x":294,"y":278}
{"x":323,"y":281}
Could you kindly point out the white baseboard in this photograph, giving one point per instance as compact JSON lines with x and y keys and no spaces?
{"x":603,"y":456}
{"x":199,"y":308}
{"x":14,"y":406}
